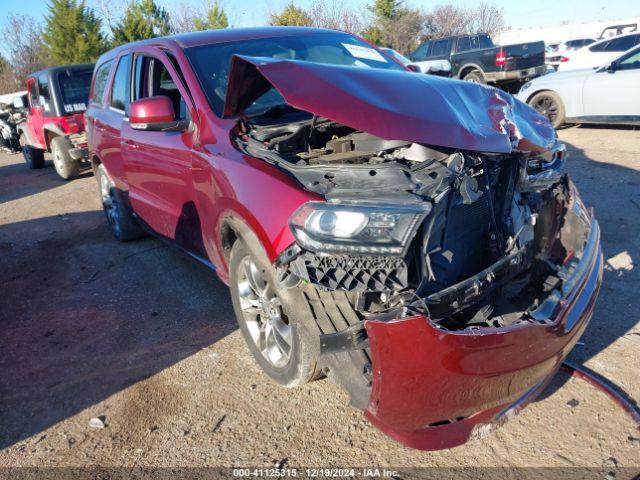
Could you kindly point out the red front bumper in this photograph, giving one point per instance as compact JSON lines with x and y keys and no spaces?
{"x":435,"y":389}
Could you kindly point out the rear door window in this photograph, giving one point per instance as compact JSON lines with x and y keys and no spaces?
{"x":485,"y":41}
{"x":100,"y":82}
{"x":464,"y":44}
{"x":119,"y":90}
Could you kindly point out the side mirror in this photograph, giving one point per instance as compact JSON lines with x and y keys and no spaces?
{"x":414,"y":68}
{"x":18,"y":103}
{"x":611,"y":67}
{"x":154,"y":114}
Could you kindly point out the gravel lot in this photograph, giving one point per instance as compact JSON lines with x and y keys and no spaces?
{"x":146,"y":337}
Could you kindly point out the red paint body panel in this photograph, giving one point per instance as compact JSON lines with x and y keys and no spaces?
{"x":421,"y":374}
{"x":424,"y":375}
{"x":393,"y":105}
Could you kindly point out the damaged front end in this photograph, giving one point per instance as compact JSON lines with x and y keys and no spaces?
{"x":467,"y":263}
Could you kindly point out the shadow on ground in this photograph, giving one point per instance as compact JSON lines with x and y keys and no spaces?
{"x":19,"y":181}
{"x":83,"y":317}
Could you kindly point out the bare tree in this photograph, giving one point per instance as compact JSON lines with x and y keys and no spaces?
{"x":22,"y":38}
{"x":182,"y":18}
{"x":334,"y":14}
{"x":404,"y":33}
{"x":110,"y":11}
{"x":487,"y":18}
{"x":447,"y":20}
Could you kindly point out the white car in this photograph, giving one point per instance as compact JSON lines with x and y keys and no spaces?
{"x":609,"y":94}
{"x":553,"y":56}
{"x":598,"y":53}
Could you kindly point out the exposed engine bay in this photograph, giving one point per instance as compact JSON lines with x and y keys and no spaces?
{"x":473,"y":240}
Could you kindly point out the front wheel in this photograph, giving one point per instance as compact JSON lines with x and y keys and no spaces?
{"x":268,"y":324}
{"x":550,"y":105}
{"x":67,"y":167}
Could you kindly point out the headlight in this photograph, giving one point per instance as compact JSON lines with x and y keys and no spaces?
{"x":366,"y":229}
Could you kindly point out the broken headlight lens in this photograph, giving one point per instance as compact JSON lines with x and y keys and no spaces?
{"x":365,"y":229}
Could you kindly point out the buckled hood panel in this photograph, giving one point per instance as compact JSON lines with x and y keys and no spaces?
{"x":395,"y":105}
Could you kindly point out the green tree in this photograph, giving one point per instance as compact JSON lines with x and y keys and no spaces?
{"x":291,"y":16}
{"x":214,"y":18}
{"x":72,"y":32}
{"x":142,"y":19}
{"x":386,"y":9}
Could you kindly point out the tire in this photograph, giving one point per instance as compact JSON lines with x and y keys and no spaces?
{"x":475,"y":76}
{"x":277,"y":338}
{"x":550,"y":105}
{"x":34,"y":157}
{"x":67,"y":167}
{"x":123,"y":225}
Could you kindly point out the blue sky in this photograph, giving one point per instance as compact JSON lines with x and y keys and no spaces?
{"x":517,"y":13}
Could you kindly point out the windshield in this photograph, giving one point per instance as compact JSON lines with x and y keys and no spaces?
{"x":211,"y":62}
{"x":74,"y":90}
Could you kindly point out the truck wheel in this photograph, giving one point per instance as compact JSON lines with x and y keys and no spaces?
{"x":34,"y":157}
{"x":67,"y":167}
{"x":550,"y":105}
{"x":269,"y":323}
{"x":121,"y":221}
{"x":475,"y":76}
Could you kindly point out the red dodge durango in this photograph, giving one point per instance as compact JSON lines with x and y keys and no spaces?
{"x":411,"y":237}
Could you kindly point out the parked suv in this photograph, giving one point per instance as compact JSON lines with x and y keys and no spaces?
{"x":57,"y":99}
{"x":410,"y":236}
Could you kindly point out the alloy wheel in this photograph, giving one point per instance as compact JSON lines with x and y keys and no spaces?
{"x":262,"y":312}
{"x":109,"y":204}
{"x":547,"y":106}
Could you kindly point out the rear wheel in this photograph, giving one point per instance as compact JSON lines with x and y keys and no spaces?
{"x":268,"y":322}
{"x":67,"y":167}
{"x":475,"y":76}
{"x":34,"y":157}
{"x":550,"y":105}
{"x":121,"y":222}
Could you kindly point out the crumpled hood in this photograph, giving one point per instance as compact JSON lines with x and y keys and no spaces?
{"x":394,"y":105}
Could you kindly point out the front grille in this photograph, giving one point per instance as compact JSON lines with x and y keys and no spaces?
{"x":353,"y":273}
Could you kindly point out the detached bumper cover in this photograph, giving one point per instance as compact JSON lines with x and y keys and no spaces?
{"x":435,"y":389}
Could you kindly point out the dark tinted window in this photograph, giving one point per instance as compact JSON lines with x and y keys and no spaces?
{"x":211,"y":62}
{"x":100,"y":82}
{"x":631,"y":62}
{"x":485,"y":41}
{"x":440,"y":48}
{"x":621,"y":44}
{"x":464,"y":44}
{"x":74,"y":90}
{"x":44,"y":98}
{"x":120,"y":85}
{"x":421,"y":52}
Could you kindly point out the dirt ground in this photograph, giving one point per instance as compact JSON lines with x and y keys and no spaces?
{"x":144,"y":336}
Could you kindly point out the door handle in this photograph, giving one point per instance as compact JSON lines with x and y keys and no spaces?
{"x":131,"y":144}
